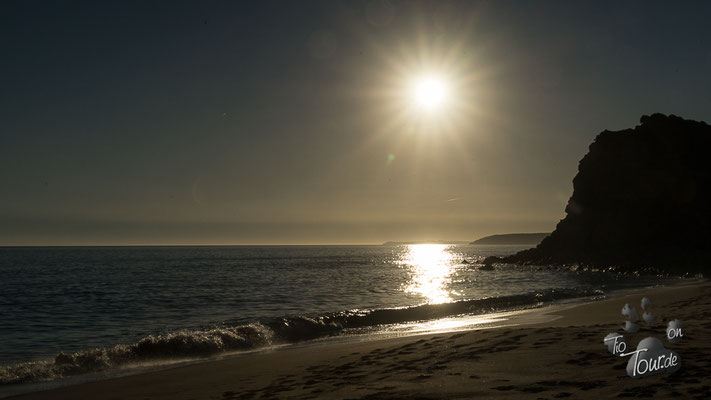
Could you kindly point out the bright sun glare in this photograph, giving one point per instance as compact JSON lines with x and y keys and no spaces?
{"x":430,"y":92}
{"x":431,"y":266}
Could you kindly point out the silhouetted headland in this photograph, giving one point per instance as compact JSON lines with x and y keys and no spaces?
{"x":513,"y":238}
{"x":640,"y":202}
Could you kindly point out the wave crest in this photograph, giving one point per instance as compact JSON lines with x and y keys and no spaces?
{"x":288,"y":329}
{"x":181,"y":344}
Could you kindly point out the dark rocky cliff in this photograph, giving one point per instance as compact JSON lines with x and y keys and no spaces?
{"x":641,"y":200}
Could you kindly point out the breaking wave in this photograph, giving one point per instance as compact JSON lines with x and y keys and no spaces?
{"x":176,"y":345}
{"x":289,"y":329}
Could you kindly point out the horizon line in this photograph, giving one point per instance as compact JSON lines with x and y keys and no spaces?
{"x":240,"y":245}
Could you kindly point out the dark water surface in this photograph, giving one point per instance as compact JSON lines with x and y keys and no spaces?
{"x":144,"y":303}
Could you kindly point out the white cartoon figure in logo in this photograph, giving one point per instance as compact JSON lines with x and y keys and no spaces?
{"x":631,"y":314}
{"x":648,"y":317}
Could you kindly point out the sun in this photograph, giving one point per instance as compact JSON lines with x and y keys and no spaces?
{"x":430,"y":92}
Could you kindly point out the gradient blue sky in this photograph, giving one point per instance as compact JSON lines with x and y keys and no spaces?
{"x":213,"y":122}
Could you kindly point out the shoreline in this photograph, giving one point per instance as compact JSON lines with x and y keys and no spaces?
{"x":487,"y":361}
{"x":446,"y":325}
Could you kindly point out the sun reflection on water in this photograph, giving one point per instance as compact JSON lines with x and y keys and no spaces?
{"x":431,"y":266}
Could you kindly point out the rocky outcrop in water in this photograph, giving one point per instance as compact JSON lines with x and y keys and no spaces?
{"x":640,"y":200}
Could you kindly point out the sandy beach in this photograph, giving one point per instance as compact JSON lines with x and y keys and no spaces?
{"x":560,"y":358}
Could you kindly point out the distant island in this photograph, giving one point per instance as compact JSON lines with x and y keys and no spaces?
{"x":425,"y":242}
{"x":513,"y":238}
{"x":641,"y":202}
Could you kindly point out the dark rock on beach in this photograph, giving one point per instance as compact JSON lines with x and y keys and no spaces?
{"x":641,"y":201}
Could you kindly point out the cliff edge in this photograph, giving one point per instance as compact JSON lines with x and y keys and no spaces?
{"x":640,"y":200}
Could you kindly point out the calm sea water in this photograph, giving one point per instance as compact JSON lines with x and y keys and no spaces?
{"x":136,"y":303}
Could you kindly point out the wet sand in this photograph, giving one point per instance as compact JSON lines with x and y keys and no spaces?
{"x":561,"y":358}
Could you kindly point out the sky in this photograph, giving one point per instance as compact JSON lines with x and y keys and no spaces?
{"x":294,"y":122}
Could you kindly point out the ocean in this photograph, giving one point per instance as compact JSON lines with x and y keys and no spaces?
{"x":68,"y":311}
